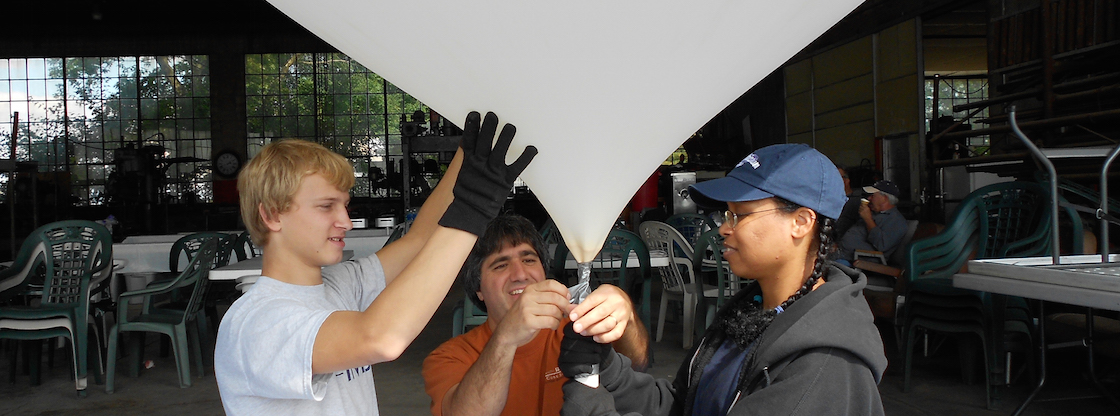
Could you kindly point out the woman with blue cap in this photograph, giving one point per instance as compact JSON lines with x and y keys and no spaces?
{"x":800,"y":341}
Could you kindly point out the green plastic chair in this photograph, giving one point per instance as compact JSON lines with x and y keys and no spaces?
{"x":550,"y":234}
{"x":618,"y":246}
{"x":691,"y":226}
{"x":243,"y":247}
{"x":71,"y":253}
{"x":465,"y":315}
{"x":187,"y":246}
{"x":709,"y":259}
{"x":931,"y":300}
{"x":1010,"y":219}
{"x":171,"y":322}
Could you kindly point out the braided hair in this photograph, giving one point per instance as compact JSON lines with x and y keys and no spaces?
{"x":747,"y":319}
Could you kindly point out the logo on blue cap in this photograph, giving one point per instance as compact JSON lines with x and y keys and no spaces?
{"x":752,"y":159}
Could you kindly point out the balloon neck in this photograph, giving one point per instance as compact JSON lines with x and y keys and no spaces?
{"x":583,"y":269}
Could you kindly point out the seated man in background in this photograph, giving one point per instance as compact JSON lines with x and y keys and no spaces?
{"x":881,"y":226}
{"x":508,"y":365}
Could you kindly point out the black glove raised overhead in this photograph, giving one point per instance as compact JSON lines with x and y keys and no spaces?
{"x":578,"y":353}
{"x":484,"y":180}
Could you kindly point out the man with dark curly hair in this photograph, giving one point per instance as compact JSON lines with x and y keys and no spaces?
{"x":508,"y":364}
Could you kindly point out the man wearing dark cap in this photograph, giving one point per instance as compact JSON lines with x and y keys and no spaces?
{"x":882,"y":226}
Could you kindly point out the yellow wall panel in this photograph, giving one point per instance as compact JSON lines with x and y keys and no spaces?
{"x":844,"y":94}
{"x":806,"y":138}
{"x":898,"y":51}
{"x":898,"y":106}
{"x":845,"y":62}
{"x":951,"y":55}
{"x":848,"y":109}
{"x":847,"y":144}
{"x":860,"y":113}
{"x":799,"y":114}
{"x":798,"y":77}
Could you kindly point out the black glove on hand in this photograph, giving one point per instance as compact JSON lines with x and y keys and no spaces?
{"x":578,"y":353}
{"x":484,"y":180}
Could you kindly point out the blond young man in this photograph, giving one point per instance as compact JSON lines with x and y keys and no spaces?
{"x":304,"y":338}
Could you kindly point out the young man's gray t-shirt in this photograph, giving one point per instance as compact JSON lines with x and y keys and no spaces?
{"x":262,"y":358}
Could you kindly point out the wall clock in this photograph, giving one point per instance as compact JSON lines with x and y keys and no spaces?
{"x":227,"y":163}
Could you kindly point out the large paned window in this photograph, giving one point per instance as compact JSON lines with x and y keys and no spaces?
{"x":119,"y":130}
{"x":957,"y":90}
{"x":330,"y":99}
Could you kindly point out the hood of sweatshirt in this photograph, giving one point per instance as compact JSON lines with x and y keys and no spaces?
{"x":834,"y":315}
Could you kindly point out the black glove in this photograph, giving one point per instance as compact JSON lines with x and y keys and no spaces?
{"x":484,"y":180}
{"x":578,"y":353}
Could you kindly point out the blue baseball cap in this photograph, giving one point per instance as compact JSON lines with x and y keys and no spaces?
{"x":794,"y":172}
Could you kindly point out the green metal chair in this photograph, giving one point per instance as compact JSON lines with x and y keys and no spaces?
{"x":171,"y":322}
{"x":71,"y":253}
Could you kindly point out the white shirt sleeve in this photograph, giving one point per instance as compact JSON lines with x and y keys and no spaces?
{"x":276,"y":349}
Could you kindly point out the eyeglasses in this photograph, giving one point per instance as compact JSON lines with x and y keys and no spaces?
{"x":732,"y":219}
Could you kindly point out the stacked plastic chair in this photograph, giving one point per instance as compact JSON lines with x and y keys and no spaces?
{"x":175,"y":323}
{"x":1000,"y":220}
{"x":71,"y":253}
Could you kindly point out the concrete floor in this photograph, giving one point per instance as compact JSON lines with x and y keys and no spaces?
{"x":937,"y":387}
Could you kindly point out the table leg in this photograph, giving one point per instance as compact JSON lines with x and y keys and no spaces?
{"x":1092,"y":364}
{"x":1041,"y":358}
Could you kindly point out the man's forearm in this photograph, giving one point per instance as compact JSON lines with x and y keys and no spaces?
{"x":634,"y":344}
{"x":485,"y":386}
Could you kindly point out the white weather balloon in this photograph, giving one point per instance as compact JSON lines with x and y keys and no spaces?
{"x":605,"y":89}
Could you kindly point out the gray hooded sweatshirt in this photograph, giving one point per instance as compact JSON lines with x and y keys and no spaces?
{"x":821,"y":356}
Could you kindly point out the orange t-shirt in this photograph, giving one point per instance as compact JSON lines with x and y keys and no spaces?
{"x":535,"y":380}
